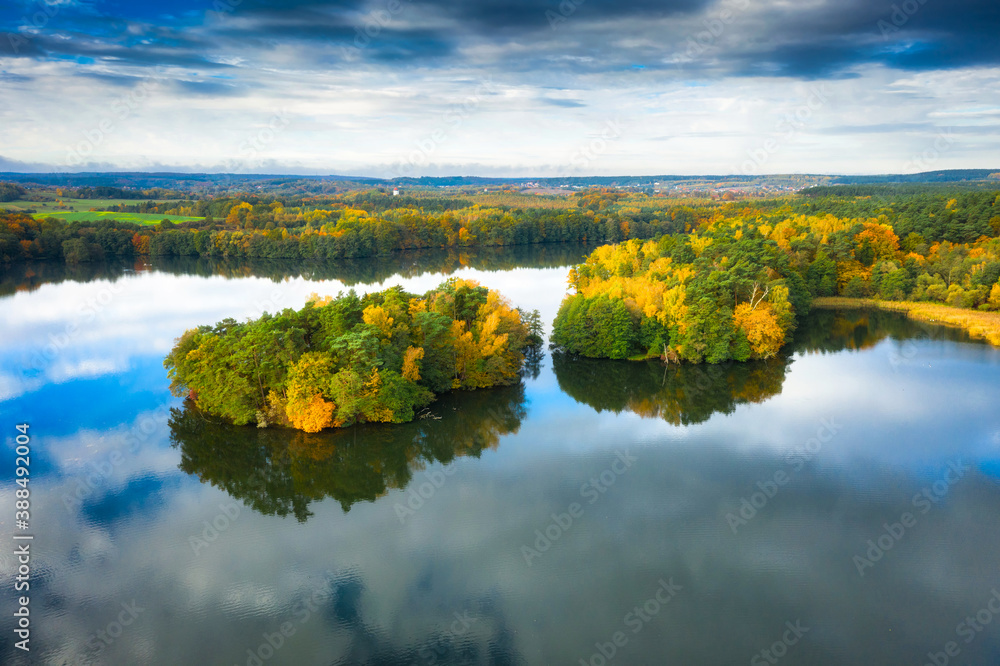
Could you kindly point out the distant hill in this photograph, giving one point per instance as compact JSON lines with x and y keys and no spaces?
{"x":946,"y":176}
{"x":280,"y":182}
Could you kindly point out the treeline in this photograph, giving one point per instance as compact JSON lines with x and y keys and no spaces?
{"x":351,"y":233}
{"x":11,"y":192}
{"x":109,"y":192}
{"x":372,"y":223}
{"x":934,"y":213}
{"x":336,"y":362}
{"x":734,"y":287}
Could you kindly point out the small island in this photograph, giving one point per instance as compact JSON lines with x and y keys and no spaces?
{"x":734,"y":288}
{"x":340,"y":361}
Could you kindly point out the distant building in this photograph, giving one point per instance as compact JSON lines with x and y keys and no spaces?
{"x":395,"y":191}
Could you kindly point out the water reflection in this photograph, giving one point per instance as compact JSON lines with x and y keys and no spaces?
{"x":281,"y":471}
{"x":28,"y":276}
{"x":388,"y":592}
{"x":687,"y":394}
{"x":679,"y":394}
{"x":837,"y":330}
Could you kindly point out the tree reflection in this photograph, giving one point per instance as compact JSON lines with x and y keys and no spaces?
{"x":837,"y":330}
{"x":686,"y":394}
{"x":280,"y":472}
{"x":679,"y":394}
{"x":27,"y":276}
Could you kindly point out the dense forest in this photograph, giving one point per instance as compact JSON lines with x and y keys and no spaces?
{"x":348,"y":233}
{"x":373,"y":223}
{"x":339,"y":361}
{"x":733,"y":287}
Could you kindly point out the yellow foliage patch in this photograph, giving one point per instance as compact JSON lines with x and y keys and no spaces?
{"x":761,"y":327}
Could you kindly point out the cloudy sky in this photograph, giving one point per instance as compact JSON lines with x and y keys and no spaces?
{"x":500,"y":87}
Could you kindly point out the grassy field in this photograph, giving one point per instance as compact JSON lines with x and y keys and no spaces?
{"x":54,"y":204}
{"x":522,"y":200}
{"x":139,"y":218}
{"x":979,"y":324}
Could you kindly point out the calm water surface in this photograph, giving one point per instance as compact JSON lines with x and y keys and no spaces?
{"x":839,"y":505}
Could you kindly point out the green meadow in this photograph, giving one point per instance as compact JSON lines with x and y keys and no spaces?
{"x":48,"y":202}
{"x":92,"y":215}
{"x":79,"y":210}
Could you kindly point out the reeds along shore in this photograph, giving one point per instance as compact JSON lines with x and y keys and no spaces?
{"x":979,"y":324}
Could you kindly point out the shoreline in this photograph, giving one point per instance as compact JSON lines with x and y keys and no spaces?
{"x":979,"y":324}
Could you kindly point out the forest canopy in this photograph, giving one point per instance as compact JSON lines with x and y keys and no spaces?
{"x":339,"y":361}
{"x":734,"y":286}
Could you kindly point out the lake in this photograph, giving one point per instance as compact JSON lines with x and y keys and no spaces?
{"x":837,"y":505}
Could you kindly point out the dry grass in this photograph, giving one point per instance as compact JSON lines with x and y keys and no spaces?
{"x":979,"y":324}
{"x":522,"y":200}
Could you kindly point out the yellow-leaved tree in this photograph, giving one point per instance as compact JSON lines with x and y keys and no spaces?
{"x":760,"y":323}
{"x":308,"y":380}
{"x":376,"y":316}
{"x":411,"y":370}
{"x":993,"y":302}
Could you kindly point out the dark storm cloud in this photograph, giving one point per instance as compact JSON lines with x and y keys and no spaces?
{"x":85,"y":48}
{"x":17,"y":45}
{"x":741,"y":37}
{"x":835,"y":36}
{"x":485,"y":16}
{"x":687,"y":38}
